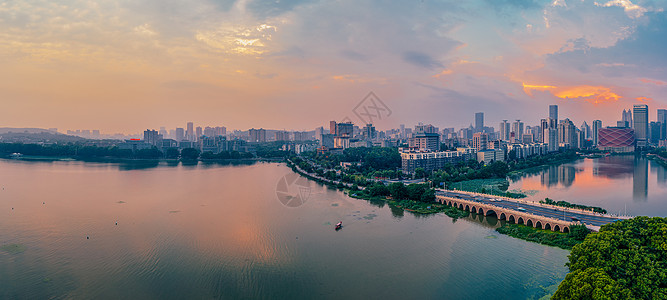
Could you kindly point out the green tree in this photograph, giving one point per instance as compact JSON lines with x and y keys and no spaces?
{"x":190,"y":153}
{"x":172,"y":153}
{"x":415,"y":191}
{"x":420,"y":173}
{"x":398,"y":190}
{"x":590,"y":283}
{"x":628,"y":255}
{"x":578,"y":232}
{"x":378,"y":189}
{"x":428,"y":196}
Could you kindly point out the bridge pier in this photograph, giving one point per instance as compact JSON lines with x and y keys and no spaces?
{"x":511,"y":216}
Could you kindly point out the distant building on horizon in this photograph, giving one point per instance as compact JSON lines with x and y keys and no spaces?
{"x":640,"y":124}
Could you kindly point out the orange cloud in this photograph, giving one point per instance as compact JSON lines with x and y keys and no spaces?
{"x":643,"y":99}
{"x":443,"y":73}
{"x":529,"y":88}
{"x":656,"y":82}
{"x":594,"y":94}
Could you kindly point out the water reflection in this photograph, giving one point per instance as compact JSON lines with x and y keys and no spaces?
{"x":640,"y":179}
{"x":613,"y":183}
{"x":563,"y":174}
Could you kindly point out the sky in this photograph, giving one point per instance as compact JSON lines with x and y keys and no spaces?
{"x":126,"y":66}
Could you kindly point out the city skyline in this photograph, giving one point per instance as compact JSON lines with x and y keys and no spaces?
{"x":119,"y":67}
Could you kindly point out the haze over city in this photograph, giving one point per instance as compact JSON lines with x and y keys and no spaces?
{"x":127,"y":66}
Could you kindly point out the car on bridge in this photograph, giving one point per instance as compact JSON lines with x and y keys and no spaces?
{"x":520,"y":209}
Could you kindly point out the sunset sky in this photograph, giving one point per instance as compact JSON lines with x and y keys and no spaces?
{"x":124,"y":66}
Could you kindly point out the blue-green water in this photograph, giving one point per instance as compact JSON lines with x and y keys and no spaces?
{"x":211,"y":231}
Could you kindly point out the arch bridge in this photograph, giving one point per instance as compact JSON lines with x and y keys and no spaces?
{"x":510,"y":215}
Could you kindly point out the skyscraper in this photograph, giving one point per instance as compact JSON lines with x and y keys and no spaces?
{"x":517,"y":129}
{"x":567,"y":134}
{"x":640,"y":123}
{"x":586,"y":130}
{"x":553,"y":115}
{"x":662,"y":119}
{"x":597,"y":124}
{"x":180,"y":134}
{"x":190,"y":132}
{"x":479,"y":122}
{"x":198,"y":133}
{"x":505,"y":131}
{"x":627,"y":118}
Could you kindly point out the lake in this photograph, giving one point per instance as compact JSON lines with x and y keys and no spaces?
{"x":72,"y":229}
{"x":618,"y":184}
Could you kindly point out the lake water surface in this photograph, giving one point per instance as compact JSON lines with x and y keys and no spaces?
{"x":616,"y":183}
{"x":212,"y":231}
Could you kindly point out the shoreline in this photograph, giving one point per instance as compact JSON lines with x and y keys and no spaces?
{"x":518,"y":231}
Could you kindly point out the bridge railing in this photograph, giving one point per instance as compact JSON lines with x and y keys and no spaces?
{"x":555,"y":207}
{"x":521,"y":213}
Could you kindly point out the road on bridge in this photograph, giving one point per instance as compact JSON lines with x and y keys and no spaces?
{"x":535,"y":209}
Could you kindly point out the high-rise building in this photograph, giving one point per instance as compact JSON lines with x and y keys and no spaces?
{"x":553,"y":115}
{"x":190,"y":132}
{"x":319,"y":131}
{"x":180,"y":134}
{"x":597,"y":124}
{"x":567,"y":134}
{"x":551,"y":139}
{"x":517,"y":129}
{"x":585,"y":130}
{"x":480,"y":140}
{"x":282,"y":135}
{"x":421,"y":128}
{"x":425,"y":142}
{"x":654,"y":132}
{"x":479,"y":122}
{"x":152,"y":137}
{"x":332,"y":127}
{"x":257,"y":135}
{"x":544,"y":124}
{"x":369,"y":132}
{"x":640,"y":124}
{"x":627,"y":118}
{"x":344,"y":129}
{"x":505,"y":131}
{"x":662,"y":119}
{"x":198,"y":133}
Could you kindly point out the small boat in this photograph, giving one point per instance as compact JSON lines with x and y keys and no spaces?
{"x":339,"y":225}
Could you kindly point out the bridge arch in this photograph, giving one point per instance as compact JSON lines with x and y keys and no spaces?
{"x":566,"y":229}
{"x":460,"y":206}
{"x":467,"y":207}
{"x":556,"y":228}
{"x":511,"y":219}
{"x":481,"y":211}
{"x":538,"y":224}
{"x":502,"y":216}
{"x":547,"y":226}
{"x":529,"y":223}
{"x":473,"y":210}
{"x":491,"y":212}
{"x":520,"y":221}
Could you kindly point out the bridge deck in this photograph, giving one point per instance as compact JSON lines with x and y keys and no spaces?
{"x":532,"y":208}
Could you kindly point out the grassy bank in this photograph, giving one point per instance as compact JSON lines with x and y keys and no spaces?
{"x":545,"y":237}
